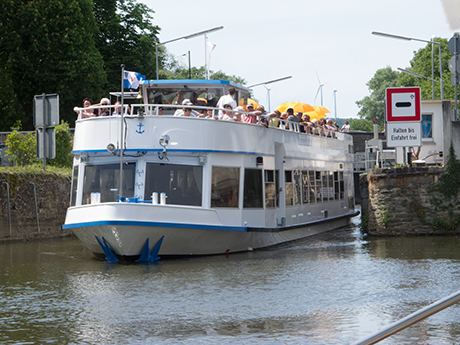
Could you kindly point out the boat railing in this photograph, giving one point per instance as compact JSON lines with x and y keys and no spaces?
{"x":411,"y":319}
{"x":266,"y":120}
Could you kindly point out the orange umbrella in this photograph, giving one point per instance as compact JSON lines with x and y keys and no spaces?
{"x":321,"y":109}
{"x":297,"y":106}
{"x":254,"y":103}
{"x":316,"y":114}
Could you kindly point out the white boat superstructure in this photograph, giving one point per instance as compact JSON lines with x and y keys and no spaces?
{"x":200,"y":186}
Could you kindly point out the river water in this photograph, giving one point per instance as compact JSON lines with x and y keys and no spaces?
{"x":334,"y":288}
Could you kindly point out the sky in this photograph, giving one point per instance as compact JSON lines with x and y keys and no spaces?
{"x":326,"y":42}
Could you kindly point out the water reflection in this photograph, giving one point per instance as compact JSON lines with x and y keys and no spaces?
{"x":330,"y":289}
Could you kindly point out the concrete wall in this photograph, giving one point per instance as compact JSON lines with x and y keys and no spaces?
{"x":404,"y":201}
{"x":53,"y":193}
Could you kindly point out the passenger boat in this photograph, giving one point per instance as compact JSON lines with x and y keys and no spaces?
{"x":202,"y":186}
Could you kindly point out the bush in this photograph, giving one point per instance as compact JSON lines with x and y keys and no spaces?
{"x":22,"y":147}
{"x":63,"y":147}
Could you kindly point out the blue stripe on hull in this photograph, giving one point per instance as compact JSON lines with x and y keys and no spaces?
{"x":156,"y":224}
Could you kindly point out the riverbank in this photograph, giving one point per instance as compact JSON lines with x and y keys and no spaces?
{"x":24,"y":217}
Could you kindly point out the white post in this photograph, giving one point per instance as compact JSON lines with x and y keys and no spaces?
{"x":121,"y":133}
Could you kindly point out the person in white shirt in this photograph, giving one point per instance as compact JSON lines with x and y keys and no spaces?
{"x":346,"y":127}
{"x":227,"y":99}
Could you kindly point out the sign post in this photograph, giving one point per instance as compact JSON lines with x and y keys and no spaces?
{"x":46,"y":116}
{"x":403,"y":117}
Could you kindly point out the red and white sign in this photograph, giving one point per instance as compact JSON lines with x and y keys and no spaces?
{"x":403,"y":104}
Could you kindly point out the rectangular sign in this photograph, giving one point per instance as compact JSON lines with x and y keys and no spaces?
{"x":404,"y":134}
{"x":46,"y":110}
{"x":403,"y":104}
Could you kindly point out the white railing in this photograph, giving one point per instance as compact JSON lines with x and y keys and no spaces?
{"x":141,"y":110}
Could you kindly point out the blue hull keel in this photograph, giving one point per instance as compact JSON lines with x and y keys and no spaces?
{"x":109,"y":256}
{"x":150,"y":256}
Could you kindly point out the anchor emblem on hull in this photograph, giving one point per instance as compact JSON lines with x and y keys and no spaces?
{"x":140,"y":130}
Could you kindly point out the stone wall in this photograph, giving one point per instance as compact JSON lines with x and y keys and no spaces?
{"x":53,"y":194}
{"x":404,"y":201}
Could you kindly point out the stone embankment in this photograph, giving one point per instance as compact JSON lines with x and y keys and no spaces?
{"x":53,"y":193}
{"x":407,"y":201}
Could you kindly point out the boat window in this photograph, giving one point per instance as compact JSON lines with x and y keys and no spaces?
{"x":305,"y":188}
{"x":73,"y":188}
{"x":318,"y":185}
{"x":174,"y":95}
{"x":336,"y":186}
{"x":297,"y":188}
{"x":252,"y":197}
{"x":330,"y":185}
{"x":289,"y":188}
{"x":225,"y":185}
{"x":270,"y":190}
{"x":181,"y":183}
{"x":342,"y":185}
{"x":324,"y":189}
{"x":103,"y":178}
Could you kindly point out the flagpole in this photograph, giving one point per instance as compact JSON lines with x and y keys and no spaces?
{"x":206,"y":57}
{"x":121,"y":134}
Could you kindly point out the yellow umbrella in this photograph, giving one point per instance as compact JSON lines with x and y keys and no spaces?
{"x":254,"y":103}
{"x":321,"y":109}
{"x":316,"y":114}
{"x":297,"y":106}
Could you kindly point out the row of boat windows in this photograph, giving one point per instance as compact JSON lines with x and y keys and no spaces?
{"x":182,"y":185}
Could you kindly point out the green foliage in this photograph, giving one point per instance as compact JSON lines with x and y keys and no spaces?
{"x":63,"y":147}
{"x":364,"y":125}
{"x":373,"y":106}
{"x":22,"y":147}
{"x":126,"y":35}
{"x":47,"y":47}
{"x":384,"y":217}
{"x":450,"y":224}
{"x":449,"y":184}
{"x":421,"y":64}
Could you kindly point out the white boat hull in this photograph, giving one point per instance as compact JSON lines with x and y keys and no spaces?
{"x":127,"y":237}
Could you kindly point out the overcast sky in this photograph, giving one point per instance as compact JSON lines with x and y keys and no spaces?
{"x":316,"y":42}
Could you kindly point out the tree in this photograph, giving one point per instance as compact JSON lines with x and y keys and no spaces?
{"x":47,"y":47}
{"x":422,"y":64}
{"x":373,"y":106}
{"x":126,"y":36}
{"x":364,"y":125}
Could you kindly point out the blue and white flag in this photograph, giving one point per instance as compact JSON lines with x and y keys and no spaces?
{"x":131,"y":80}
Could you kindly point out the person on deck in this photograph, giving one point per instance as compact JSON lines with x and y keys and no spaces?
{"x":227,"y":99}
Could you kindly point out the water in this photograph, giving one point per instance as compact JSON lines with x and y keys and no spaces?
{"x":335,"y":288}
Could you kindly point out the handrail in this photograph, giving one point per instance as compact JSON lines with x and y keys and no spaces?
{"x":411,"y":319}
{"x":9,"y":209}
{"x":152,"y":110}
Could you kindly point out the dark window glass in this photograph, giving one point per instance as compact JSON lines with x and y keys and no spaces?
{"x":73,"y":194}
{"x":181,"y":183}
{"x":252,"y":196}
{"x":225,"y":186}
{"x":103,"y":178}
{"x":270,"y":189}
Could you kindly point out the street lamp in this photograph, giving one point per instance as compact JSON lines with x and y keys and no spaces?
{"x":180,"y":38}
{"x":335,"y":103}
{"x":432,"y":63}
{"x":268,"y":90}
{"x":417,"y":75}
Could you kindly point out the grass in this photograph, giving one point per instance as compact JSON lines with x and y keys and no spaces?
{"x":38,"y":170}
